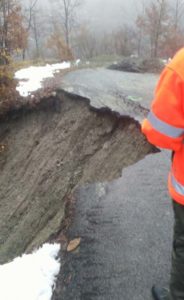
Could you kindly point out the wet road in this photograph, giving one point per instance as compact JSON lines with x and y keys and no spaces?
{"x":126,"y":231}
{"x":108,"y":87}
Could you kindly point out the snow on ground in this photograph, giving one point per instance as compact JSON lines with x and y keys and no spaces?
{"x":32,"y":276}
{"x":30,"y":79}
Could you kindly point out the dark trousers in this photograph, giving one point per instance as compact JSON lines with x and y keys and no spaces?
{"x":177,"y":269}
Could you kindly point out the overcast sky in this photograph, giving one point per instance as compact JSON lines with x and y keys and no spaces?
{"x":109,"y":13}
{"x":105,"y":14}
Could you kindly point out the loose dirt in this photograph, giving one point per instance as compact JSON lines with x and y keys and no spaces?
{"x":48,"y":151}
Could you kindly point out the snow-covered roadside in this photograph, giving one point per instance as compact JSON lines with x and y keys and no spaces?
{"x":32,"y":276}
{"x":30,"y":79}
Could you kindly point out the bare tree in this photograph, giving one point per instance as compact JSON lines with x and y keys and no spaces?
{"x":36,"y":34}
{"x":123,"y":41}
{"x":30,"y":13}
{"x":30,"y":19}
{"x":68,"y":10}
{"x":155,"y":23}
{"x":139,"y":38}
{"x":178,"y":13}
{"x":86,"y":45}
{"x":38,"y":29}
{"x":174,"y":37}
{"x":57,"y":44}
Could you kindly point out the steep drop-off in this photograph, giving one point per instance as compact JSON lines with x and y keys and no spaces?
{"x":46,"y":152}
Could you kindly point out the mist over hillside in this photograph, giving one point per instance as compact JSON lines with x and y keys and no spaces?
{"x":111,"y":14}
{"x":105,"y":27}
{"x":107,"y":14}
{"x":104,"y":15}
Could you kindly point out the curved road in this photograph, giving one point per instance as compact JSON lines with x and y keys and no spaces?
{"x":125,"y":225}
{"x":108,"y":87}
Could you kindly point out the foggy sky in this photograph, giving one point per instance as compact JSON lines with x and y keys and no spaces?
{"x":104,"y":15}
{"x":109,"y":14}
{"x":101,"y":14}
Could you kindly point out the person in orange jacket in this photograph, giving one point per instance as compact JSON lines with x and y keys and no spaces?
{"x":164,"y":127}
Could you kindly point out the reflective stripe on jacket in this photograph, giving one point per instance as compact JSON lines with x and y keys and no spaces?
{"x":164,"y":125}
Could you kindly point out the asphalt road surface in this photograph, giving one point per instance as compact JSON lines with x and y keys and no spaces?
{"x":125,"y":225}
{"x":108,"y":87}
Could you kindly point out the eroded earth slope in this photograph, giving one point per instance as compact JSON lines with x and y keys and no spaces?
{"x":46,"y":153}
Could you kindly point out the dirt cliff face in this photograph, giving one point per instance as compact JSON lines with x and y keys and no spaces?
{"x":45,"y":153}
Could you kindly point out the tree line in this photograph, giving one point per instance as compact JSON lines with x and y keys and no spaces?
{"x":28,"y":31}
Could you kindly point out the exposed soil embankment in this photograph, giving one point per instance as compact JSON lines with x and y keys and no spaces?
{"x":45,"y":153}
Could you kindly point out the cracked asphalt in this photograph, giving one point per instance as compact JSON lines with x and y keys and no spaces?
{"x":107,"y":87}
{"x":125,"y":226}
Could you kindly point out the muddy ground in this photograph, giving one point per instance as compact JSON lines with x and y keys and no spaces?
{"x":46,"y":153}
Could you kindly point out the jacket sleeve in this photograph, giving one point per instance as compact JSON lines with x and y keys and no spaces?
{"x":164,"y":125}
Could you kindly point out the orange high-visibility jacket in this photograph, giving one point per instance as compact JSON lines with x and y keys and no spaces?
{"x":164,"y":126}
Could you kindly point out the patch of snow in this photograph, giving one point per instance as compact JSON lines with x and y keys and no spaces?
{"x":166,"y":61}
{"x":31,"y":78}
{"x":77,"y":62}
{"x":31,"y":276}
